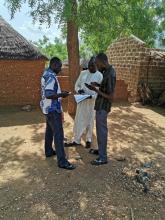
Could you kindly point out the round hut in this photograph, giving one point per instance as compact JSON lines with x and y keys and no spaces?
{"x":21,"y":66}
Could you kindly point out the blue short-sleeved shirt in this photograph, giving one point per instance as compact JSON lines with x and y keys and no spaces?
{"x":50,"y":86}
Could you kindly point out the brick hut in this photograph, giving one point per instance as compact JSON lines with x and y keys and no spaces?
{"x":133,"y":62}
{"x":21,"y":65}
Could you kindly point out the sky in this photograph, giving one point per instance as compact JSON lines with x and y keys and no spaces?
{"x":22,"y":22}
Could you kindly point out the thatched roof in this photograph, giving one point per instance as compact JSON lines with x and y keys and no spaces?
{"x":14,"y":46}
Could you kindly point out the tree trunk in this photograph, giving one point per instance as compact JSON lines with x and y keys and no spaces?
{"x":73,"y":54}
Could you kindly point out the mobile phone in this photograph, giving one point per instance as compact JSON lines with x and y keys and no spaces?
{"x":88,"y":86}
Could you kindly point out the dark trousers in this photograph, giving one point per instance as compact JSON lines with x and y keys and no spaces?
{"x":54,"y":130}
{"x":102,"y":133}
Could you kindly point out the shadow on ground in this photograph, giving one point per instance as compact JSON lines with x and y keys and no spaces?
{"x":14,"y":116}
{"x":32,"y":187}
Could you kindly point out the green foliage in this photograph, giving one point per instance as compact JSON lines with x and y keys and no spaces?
{"x":101,"y":21}
{"x":58,"y":48}
{"x":160,"y":11}
{"x":85,"y":52}
{"x":104,"y":21}
{"x":45,"y":11}
{"x":50,"y":49}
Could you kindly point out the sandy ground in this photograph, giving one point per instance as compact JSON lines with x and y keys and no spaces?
{"x":34,"y":188}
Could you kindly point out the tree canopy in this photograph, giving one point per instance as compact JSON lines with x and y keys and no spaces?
{"x":101,"y":22}
{"x":104,"y":21}
{"x":55,"y":48}
{"x":58,"y":48}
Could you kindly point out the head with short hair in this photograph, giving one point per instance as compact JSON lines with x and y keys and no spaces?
{"x":101,"y":61}
{"x":92,"y":65}
{"x":55,"y":64}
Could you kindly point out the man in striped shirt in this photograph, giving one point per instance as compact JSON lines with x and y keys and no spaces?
{"x":52,"y":109}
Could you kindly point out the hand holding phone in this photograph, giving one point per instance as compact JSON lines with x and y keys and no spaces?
{"x":95,"y":84}
{"x":81,"y":91}
{"x":65,"y":94}
{"x":91,"y":87}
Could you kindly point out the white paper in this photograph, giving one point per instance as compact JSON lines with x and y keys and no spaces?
{"x":80,"y":98}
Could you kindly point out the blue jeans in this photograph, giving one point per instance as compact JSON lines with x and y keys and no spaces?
{"x":102,"y":133}
{"x":54,"y":130}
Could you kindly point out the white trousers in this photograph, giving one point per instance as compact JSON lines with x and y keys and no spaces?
{"x":84,"y":120}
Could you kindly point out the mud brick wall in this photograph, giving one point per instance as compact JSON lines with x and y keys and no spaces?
{"x":65,"y":71}
{"x":121,"y":91}
{"x":65,"y":84}
{"x":126,"y":55}
{"x":63,"y":78}
{"x":156,"y":77}
{"x":133,"y":61}
{"x":153,"y":71}
{"x":20,"y":81}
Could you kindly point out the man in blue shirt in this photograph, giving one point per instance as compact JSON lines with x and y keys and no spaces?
{"x":52,"y":109}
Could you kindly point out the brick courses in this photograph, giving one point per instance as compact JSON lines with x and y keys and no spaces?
{"x":20,"y":81}
{"x":133,"y":62}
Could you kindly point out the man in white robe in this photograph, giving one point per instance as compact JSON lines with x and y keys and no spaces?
{"x":85,"y":113}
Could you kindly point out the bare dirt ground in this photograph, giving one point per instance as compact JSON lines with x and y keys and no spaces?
{"x":34,"y":188}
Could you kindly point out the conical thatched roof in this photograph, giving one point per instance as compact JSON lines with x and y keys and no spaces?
{"x":15,"y":46}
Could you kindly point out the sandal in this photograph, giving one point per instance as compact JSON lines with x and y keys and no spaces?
{"x":99,"y":162}
{"x":71,"y":144}
{"x":94,"y":151}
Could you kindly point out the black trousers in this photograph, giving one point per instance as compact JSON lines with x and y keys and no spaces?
{"x":54,"y":131}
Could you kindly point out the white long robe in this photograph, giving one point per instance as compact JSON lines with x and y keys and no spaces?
{"x":85,"y":113}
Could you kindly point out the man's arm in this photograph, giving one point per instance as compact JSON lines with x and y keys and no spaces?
{"x":56,"y":96}
{"x":95,"y":84}
{"x":50,"y":92}
{"x":110,"y":89}
{"x":98,"y":81}
{"x":106,"y":96}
